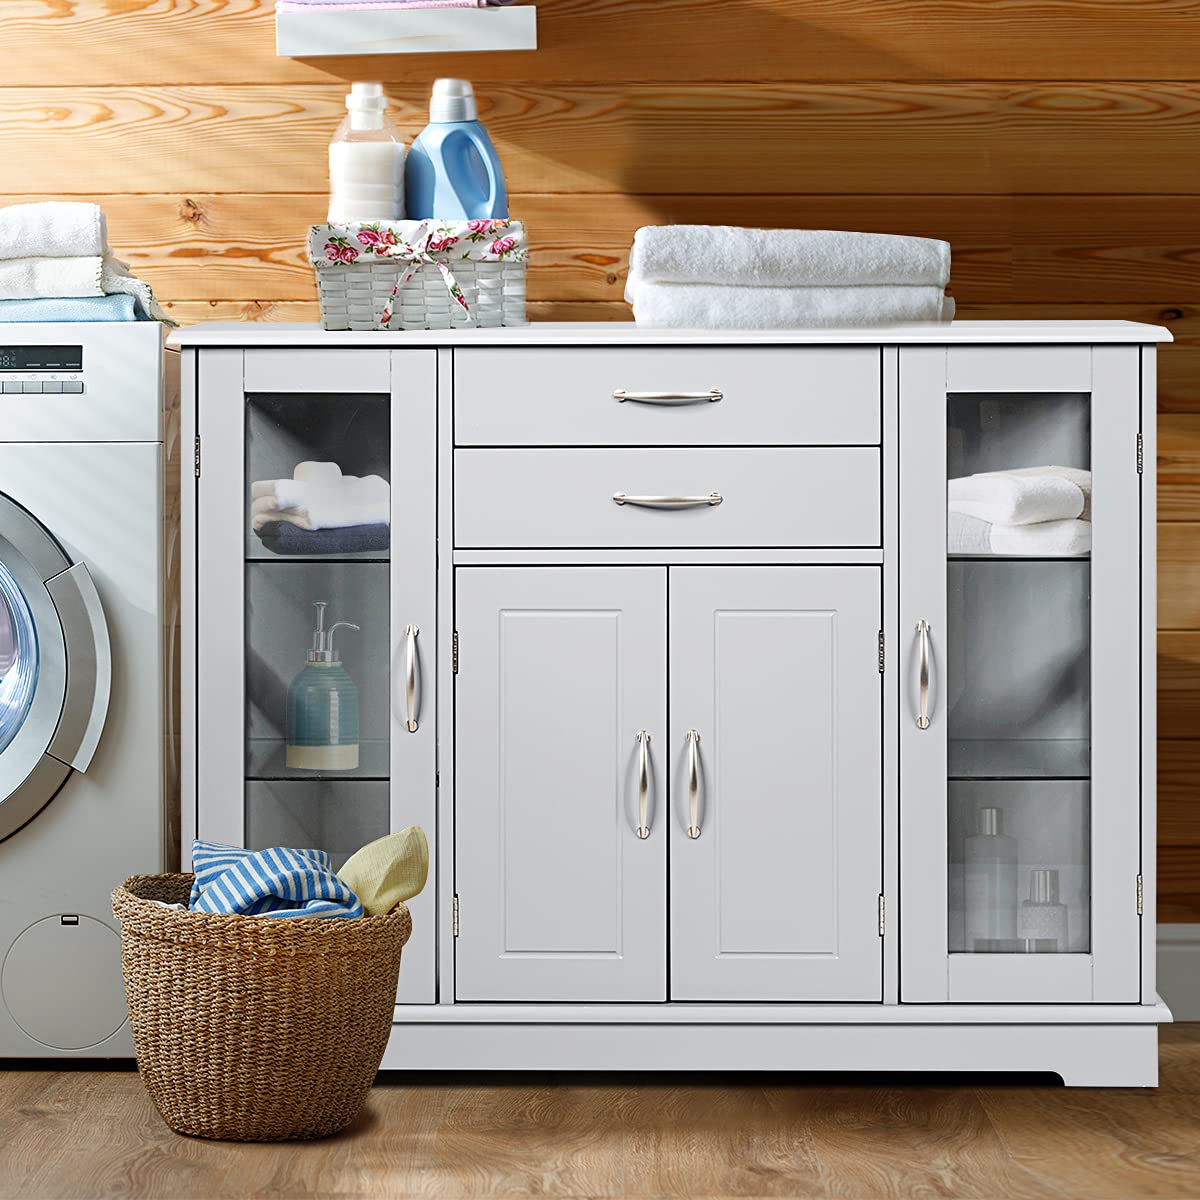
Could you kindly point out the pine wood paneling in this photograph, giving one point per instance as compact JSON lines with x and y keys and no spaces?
{"x":1179,"y":467}
{"x":229,"y":41}
{"x":1178,"y":883}
{"x":973,"y":138}
{"x":1178,"y":803}
{"x":1179,"y":576}
{"x":1179,"y":691}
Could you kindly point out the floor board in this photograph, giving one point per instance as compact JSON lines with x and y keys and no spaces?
{"x":87,"y":1134}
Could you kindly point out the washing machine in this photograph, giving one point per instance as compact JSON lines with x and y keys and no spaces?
{"x":81,"y":672}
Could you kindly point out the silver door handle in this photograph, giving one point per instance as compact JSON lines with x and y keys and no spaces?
{"x":712,"y":498}
{"x":643,"y":829}
{"x":693,"y":740}
{"x":923,"y":715}
{"x":669,"y":398}
{"x":412,"y":681}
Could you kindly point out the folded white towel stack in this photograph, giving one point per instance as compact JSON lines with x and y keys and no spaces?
{"x":723,"y":277}
{"x":59,"y":250}
{"x":319,"y":496}
{"x":1032,"y":511}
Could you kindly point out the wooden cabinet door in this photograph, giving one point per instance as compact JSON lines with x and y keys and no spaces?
{"x":776,"y":867}
{"x":560,"y":670}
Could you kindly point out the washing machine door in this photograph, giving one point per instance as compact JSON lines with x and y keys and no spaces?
{"x":55,"y":667}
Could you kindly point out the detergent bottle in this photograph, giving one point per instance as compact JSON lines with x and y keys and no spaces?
{"x":453,"y":171}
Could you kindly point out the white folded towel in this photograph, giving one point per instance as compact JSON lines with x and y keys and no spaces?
{"x":319,"y":496}
{"x":91,"y":275}
{"x":1023,"y":496}
{"x":1066,"y":539}
{"x":53,"y":229}
{"x":727,"y":254}
{"x":707,"y":306}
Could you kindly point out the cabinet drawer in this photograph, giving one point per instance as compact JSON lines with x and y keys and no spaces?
{"x":801,"y":496}
{"x":772,"y":396}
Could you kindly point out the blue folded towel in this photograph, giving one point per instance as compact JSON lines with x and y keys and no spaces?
{"x":122,"y":307}
{"x":268,"y":883}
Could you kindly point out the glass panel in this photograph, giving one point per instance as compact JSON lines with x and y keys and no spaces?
{"x":1018,"y":672}
{"x":318,"y":641}
{"x":18,"y":658}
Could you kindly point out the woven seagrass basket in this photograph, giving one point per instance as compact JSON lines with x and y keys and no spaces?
{"x":255,"y":1028}
{"x":353,"y":296}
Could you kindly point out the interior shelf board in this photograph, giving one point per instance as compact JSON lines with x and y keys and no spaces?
{"x":1022,"y":558}
{"x":396,"y":31}
{"x":266,"y":762}
{"x":332,"y":559}
{"x":1005,"y":759}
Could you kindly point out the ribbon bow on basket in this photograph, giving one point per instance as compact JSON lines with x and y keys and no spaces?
{"x":418,"y":244}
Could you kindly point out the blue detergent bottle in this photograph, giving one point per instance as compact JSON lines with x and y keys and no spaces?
{"x":453,"y":171}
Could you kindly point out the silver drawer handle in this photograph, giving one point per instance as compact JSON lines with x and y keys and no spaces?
{"x":712,"y":498}
{"x":643,"y":830}
{"x":923,"y":716}
{"x":693,"y":740}
{"x":667,"y":398}
{"x":411,"y":681}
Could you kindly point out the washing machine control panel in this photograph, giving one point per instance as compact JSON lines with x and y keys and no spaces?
{"x":41,"y":369}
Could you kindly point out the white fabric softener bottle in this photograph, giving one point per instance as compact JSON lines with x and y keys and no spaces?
{"x":366,"y":161}
{"x":990,"y":884}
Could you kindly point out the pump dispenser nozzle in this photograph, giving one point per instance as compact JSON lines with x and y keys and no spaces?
{"x":322,"y":642}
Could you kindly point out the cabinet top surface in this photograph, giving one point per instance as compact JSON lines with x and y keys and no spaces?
{"x":245,"y":334}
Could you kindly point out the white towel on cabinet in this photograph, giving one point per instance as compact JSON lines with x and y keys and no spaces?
{"x":708,"y":306}
{"x":727,"y":254}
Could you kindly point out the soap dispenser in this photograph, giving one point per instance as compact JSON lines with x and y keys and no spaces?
{"x":322,"y":707}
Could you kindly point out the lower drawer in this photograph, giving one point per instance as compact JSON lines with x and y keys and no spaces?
{"x":799,"y":496}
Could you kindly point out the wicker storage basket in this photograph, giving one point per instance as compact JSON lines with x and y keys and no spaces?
{"x":352,"y":297}
{"x":255,"y":1028}
{"x":420,"y":274}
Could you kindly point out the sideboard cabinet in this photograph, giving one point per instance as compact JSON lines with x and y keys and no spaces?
{"x":742,"y":740}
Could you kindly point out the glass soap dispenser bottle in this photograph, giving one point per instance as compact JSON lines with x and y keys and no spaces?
{"x":990,"y":878}
{"x":1043,"y":918}
{"x":322,"y":707}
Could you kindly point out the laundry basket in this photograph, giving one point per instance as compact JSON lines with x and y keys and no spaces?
{"x":255,"y":1028}
{"x":420,"y":274}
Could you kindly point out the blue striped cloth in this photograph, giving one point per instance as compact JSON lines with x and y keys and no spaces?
{"x":268,"y":883}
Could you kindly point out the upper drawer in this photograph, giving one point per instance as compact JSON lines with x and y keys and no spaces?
{"x":768,"y":396}
{"x":768,"y":496}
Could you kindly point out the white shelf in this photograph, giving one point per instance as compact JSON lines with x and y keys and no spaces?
{"x":394,"y":31}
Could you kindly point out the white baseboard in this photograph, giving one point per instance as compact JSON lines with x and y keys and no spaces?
{"x":1179,"y":970}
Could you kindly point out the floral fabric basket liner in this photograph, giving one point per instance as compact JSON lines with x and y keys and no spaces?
{"x":416,"y":244}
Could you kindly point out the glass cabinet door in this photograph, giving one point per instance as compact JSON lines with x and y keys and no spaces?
{"x":1022,"y":523}
{"x":317,"y":607}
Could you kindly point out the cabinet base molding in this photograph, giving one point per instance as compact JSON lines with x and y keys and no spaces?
{"x":1117,"y":1048}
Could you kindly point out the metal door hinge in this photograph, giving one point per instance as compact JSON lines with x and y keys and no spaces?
{"x":882,"y":920}
{"x":456,"y":916}
{"x":881,"y":654}
{"x":1139,"y":453}
{"x":196,"y":457}
{"x":1139,"y":895}
{"x":456,"y":652}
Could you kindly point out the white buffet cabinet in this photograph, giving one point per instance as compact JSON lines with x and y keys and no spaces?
{"x":709,"y":724}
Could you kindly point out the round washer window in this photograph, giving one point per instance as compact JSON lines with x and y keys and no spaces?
{"x":18,"y":657}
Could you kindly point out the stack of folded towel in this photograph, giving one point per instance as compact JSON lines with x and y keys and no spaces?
{"x":321,"y":511}
{"x":374,"y":5}
{"x":56,"y":265}
{"x":1036,"y":511}
{"x":722,"y":277}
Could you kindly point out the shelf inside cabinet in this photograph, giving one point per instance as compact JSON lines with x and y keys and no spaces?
{"x":266,"y":759}
{"x":396,"y":31}
{"x":1019,"y":558}
{"x":1019,"y":758}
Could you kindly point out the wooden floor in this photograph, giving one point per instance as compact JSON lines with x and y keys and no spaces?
{"x":77,"y":1133}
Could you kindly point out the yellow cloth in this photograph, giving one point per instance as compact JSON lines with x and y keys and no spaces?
{"x":389,"y":870}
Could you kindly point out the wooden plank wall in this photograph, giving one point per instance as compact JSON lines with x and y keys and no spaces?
{"x":1055,"y":143}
